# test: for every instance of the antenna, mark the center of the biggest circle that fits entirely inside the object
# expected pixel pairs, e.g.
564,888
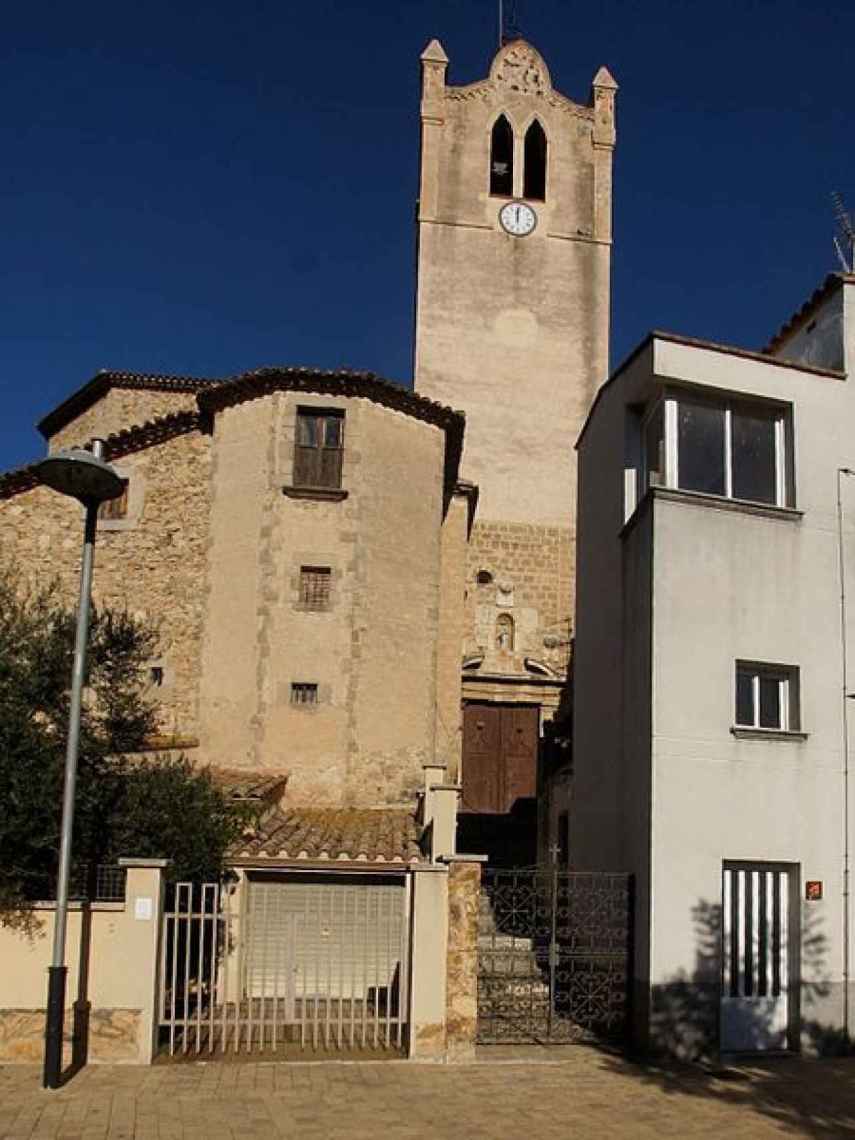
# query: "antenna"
845,238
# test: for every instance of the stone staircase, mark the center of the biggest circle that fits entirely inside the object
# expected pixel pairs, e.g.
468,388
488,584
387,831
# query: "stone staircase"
513,995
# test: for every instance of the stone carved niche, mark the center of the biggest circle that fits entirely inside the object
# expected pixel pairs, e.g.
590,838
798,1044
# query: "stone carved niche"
520,68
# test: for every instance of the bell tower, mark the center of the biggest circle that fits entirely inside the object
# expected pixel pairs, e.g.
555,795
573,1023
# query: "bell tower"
512,327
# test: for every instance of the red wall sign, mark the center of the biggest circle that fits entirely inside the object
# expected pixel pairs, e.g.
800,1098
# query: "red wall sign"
813,890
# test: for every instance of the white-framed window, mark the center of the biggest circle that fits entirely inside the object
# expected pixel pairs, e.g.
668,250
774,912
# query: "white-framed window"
767,696
733,448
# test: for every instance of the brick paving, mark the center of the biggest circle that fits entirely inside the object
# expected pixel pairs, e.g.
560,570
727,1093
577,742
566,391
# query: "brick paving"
577,1094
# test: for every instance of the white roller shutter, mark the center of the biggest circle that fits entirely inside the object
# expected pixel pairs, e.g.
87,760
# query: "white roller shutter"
308,938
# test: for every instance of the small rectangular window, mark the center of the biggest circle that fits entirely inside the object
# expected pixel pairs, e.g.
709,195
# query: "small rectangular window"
115,508
304,693
767,696
318,448
315,587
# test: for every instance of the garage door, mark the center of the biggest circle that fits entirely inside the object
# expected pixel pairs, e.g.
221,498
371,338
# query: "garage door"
327,936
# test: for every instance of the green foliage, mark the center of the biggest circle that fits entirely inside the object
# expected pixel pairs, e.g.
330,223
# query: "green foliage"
171,810
155,807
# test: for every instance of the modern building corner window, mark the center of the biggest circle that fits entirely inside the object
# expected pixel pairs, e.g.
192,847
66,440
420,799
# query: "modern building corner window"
767,697
534,163
318,448
502,158
735,449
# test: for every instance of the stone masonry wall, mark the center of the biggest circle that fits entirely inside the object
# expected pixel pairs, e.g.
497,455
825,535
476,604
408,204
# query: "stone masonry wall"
450,636
464,892
153,563
532,572
118,409
113,1035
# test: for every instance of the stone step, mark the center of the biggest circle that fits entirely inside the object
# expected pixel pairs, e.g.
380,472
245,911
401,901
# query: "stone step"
520,965
505,942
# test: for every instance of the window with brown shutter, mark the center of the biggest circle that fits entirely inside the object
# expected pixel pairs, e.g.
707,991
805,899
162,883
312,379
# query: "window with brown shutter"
115,508
318,448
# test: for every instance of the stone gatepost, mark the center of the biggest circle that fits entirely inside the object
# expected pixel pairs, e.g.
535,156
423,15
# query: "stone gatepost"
427,957
144,898
461,987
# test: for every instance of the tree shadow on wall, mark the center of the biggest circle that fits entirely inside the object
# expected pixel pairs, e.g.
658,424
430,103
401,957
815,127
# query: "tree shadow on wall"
815,1100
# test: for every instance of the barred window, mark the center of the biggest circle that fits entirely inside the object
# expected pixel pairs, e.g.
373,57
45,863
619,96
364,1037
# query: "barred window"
115,508
304,693
315,587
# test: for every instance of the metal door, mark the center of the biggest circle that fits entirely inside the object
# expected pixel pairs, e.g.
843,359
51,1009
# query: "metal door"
756,957
553,955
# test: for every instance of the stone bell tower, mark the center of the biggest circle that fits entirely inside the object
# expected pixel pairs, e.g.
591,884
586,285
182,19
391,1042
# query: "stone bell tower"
512,326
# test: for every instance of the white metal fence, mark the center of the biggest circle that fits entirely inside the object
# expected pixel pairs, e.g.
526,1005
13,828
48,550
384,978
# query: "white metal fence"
301,961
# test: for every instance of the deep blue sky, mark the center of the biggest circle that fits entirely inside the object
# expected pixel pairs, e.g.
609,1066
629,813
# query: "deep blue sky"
203,188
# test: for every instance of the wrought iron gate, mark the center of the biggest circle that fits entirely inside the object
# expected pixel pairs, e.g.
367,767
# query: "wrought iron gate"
553,955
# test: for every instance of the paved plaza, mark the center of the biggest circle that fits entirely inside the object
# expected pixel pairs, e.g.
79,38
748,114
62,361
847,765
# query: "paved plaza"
576,1094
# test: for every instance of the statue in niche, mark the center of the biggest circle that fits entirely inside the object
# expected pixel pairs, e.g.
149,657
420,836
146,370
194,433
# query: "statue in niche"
505,632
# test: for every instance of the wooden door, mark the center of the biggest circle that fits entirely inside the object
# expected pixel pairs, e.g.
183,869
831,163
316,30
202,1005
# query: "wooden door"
482,789
499,756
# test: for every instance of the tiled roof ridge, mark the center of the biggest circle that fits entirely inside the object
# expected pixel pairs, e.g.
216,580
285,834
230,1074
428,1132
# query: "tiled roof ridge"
107,378
248,783
115,446
356,835
342,381
831,282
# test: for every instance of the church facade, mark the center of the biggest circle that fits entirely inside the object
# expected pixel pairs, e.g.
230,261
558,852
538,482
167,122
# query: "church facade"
512,325
262,520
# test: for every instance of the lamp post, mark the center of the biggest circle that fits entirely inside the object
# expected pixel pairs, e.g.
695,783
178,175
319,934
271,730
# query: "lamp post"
85,476
841,568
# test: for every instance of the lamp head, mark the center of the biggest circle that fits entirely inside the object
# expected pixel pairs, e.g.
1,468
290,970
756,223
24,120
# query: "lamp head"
81,475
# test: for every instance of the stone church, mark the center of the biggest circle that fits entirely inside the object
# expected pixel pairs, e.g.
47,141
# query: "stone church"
352,580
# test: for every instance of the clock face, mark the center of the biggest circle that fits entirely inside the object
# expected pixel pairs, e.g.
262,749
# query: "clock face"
517,218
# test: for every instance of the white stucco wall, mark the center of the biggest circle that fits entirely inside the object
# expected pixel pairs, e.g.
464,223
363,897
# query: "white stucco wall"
728,584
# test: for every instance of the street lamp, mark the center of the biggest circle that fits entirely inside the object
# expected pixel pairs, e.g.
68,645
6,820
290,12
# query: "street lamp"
841,569
85,476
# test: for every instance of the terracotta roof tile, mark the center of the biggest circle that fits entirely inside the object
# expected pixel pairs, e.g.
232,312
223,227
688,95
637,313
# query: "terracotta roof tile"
115,446
247,784
108,378
338,381
832,282
373,835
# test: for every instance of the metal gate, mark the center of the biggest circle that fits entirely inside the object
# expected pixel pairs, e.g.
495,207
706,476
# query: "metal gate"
554,955
756,935
304,962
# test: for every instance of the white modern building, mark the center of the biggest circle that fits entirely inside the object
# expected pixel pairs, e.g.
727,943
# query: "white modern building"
709,741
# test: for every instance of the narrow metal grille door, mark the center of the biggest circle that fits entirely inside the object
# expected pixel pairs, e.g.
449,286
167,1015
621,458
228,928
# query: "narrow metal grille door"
755,957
